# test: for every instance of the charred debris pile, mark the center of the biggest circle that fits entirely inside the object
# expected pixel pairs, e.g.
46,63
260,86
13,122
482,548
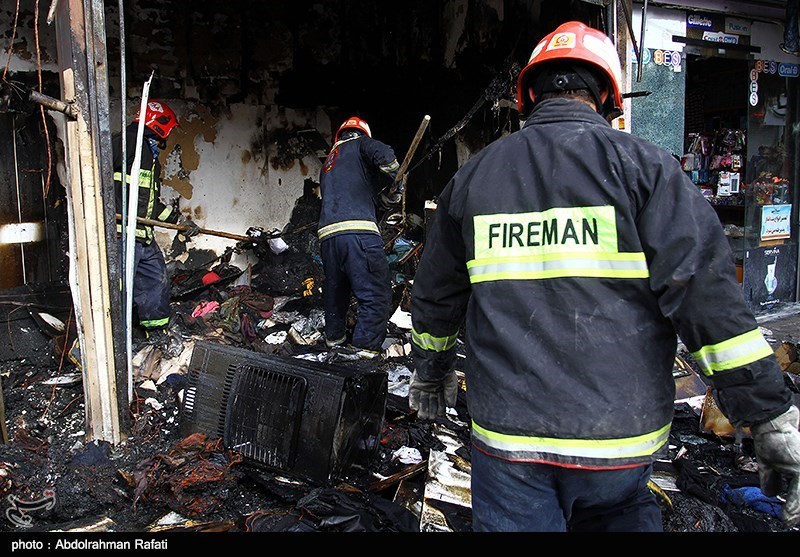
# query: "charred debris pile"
243,457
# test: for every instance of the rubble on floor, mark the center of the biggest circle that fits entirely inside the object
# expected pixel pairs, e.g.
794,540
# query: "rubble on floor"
163,479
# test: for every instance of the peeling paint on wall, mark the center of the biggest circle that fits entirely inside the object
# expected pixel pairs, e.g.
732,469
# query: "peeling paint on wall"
180,157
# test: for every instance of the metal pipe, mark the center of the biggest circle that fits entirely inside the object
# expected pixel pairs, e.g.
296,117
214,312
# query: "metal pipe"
641,42
611,19
19,193
50,103
123,111
123,184
51,13
629,23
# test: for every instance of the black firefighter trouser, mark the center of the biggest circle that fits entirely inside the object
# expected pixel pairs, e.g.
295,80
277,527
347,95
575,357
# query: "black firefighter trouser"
356,263
151,287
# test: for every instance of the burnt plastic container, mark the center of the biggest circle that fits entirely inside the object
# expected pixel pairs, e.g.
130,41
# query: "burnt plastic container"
305,419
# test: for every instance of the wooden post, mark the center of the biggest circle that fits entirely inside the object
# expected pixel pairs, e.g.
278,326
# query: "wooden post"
80,35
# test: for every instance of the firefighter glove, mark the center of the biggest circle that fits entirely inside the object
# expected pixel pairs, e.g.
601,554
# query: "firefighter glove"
777,448
431,398
190,228
390,200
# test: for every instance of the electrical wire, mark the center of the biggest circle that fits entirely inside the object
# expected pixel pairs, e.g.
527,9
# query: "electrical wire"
11,43
41,107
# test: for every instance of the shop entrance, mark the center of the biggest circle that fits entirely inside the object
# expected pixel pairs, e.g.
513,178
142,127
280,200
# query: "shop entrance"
715,126
737,151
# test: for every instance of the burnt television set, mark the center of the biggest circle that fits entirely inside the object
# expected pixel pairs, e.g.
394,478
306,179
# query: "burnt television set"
305,419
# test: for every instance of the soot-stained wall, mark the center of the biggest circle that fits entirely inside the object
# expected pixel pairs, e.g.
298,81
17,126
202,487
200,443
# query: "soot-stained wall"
247,77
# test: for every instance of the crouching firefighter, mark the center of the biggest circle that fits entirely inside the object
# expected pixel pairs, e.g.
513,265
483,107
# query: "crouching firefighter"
357,168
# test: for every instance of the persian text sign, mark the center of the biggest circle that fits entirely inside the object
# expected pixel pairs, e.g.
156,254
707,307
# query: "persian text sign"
775,222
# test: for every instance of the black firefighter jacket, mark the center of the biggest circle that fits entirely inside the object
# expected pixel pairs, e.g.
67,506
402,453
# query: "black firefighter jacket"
149,204
578,254
356,169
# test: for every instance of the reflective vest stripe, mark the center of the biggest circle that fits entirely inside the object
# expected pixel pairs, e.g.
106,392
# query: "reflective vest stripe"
391,167
567,264
355,225
145,178
145,181
165,214
427,341
629,447
734,352
140,233
155,323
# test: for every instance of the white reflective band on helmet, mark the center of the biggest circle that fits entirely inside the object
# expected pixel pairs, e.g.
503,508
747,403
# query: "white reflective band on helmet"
732,353
354,225
606,50
630,447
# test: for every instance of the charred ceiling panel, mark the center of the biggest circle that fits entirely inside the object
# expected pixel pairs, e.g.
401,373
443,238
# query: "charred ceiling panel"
248,77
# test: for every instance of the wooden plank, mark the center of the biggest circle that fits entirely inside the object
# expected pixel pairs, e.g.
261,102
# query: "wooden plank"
89,266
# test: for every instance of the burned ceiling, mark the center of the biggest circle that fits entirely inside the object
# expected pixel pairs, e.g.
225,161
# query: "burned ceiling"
391,63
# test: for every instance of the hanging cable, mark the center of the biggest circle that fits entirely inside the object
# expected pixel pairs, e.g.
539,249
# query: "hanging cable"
11,43
41,108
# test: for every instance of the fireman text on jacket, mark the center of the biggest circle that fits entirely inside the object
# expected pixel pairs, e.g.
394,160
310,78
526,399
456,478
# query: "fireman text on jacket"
559,242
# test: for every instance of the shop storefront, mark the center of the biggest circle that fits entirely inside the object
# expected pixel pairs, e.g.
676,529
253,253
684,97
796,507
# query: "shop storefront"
719,94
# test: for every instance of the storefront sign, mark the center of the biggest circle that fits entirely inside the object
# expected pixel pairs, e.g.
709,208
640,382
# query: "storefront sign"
701,21
737,26
671,58
775,222
645,53
788,70
720,37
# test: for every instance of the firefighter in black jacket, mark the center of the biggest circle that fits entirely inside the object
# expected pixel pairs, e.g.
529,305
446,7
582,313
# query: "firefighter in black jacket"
151,285
578,254
357,168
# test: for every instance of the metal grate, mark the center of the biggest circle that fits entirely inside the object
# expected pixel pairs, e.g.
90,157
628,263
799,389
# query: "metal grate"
205,394
264,415
308,420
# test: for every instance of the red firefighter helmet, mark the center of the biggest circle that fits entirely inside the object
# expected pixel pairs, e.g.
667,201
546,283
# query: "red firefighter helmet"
574,41
353,123
159,118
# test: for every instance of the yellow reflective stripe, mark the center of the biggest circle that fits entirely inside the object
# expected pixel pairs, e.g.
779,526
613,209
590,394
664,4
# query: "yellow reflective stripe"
427,341
361,225
628,447
155,323
557,230
140,233
732,353
165,213
577,264
391,167
342,141
145,178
